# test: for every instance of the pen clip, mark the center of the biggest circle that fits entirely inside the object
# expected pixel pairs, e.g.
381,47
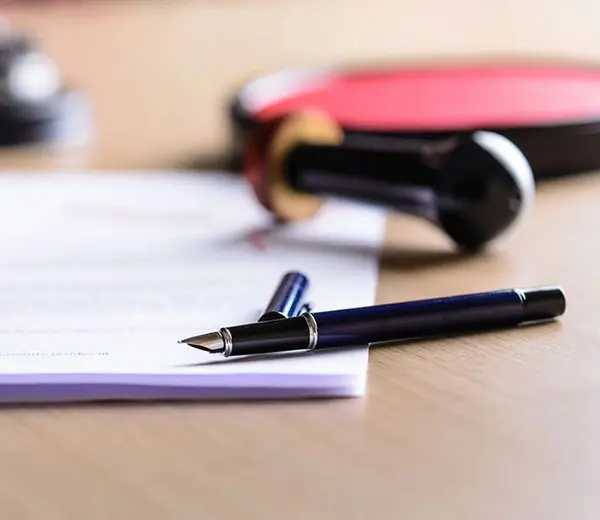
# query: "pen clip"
306,307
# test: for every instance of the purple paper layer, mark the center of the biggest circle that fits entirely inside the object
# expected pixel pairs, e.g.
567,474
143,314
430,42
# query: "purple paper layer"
36,388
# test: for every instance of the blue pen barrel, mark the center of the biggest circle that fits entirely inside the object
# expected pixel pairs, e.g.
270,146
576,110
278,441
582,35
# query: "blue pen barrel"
456,314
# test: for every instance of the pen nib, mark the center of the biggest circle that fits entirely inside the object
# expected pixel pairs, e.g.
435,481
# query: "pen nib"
211,342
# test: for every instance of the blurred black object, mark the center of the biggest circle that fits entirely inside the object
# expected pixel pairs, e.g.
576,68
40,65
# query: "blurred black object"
561,147
35,107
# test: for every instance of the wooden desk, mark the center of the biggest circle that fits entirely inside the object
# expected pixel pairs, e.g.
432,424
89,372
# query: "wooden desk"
498,426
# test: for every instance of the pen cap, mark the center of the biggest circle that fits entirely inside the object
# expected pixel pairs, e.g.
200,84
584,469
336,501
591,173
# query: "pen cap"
288,298
543,303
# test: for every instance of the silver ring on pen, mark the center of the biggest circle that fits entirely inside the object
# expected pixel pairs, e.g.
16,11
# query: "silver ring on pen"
521,295
227,340
313,331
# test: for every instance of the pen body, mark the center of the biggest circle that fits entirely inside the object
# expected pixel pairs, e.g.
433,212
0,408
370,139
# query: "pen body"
398,321
419,319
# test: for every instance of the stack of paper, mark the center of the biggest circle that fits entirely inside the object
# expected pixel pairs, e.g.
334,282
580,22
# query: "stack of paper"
102,273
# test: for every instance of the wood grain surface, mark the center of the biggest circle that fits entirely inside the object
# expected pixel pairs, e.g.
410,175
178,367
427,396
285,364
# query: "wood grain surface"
494,426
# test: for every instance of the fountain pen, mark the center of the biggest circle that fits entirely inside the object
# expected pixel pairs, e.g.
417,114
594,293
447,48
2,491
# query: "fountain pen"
387,322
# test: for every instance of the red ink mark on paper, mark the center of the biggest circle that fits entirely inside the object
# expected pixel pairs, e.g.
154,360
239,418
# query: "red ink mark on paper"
257,238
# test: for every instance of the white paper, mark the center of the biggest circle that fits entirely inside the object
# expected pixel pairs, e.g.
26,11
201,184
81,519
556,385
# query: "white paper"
101,273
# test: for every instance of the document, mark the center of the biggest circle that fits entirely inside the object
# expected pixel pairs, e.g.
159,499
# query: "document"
101,273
